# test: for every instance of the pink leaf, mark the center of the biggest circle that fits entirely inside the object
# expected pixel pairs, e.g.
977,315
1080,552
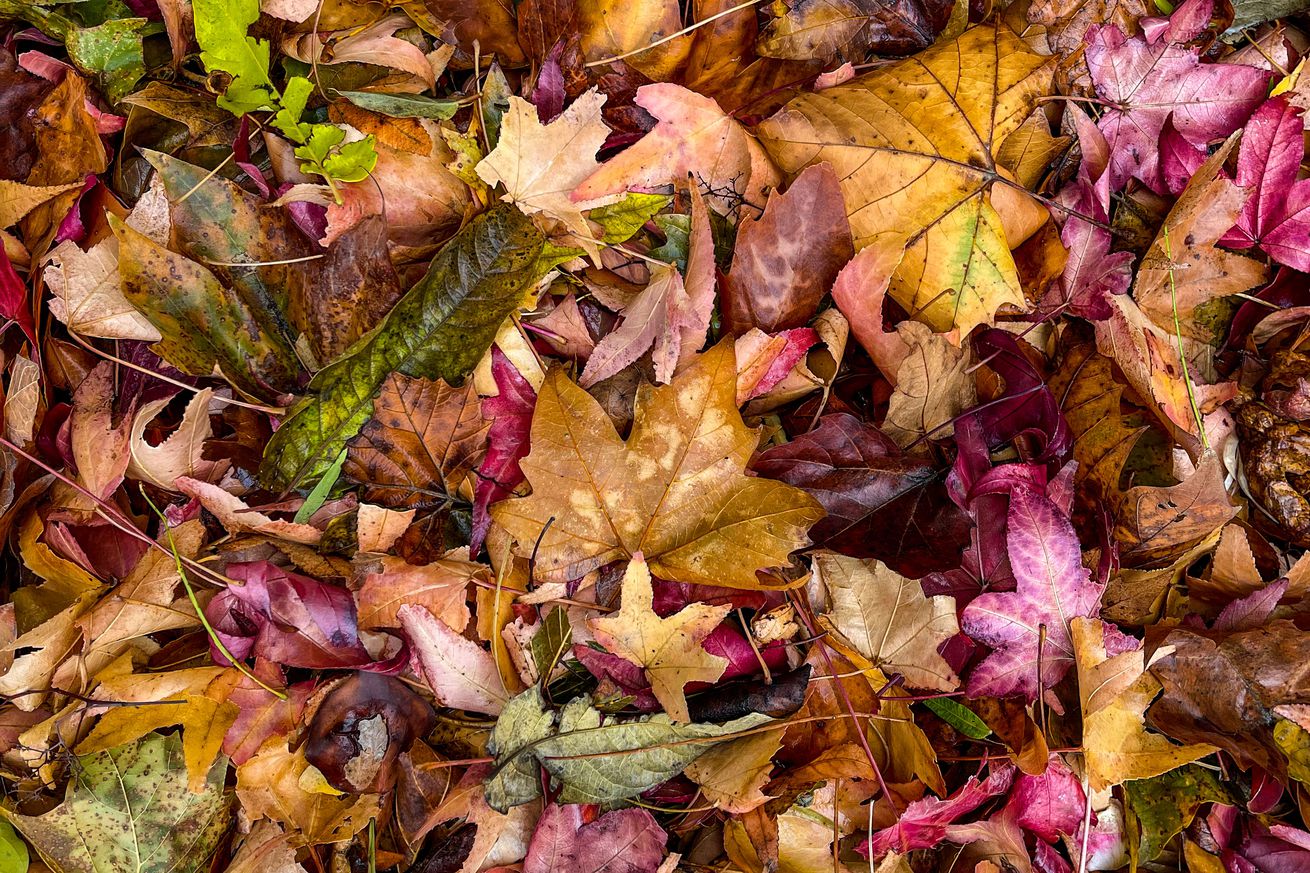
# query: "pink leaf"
622,841
1049,805
1144,83
461,673
1277,214
925,822
1052,587
510,413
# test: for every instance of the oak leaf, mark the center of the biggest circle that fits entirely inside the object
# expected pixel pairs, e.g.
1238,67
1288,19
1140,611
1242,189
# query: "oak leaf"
675,490
889,620
931,194
668,649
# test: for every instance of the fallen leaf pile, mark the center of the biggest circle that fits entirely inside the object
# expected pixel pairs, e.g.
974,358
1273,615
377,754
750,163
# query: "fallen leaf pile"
638,436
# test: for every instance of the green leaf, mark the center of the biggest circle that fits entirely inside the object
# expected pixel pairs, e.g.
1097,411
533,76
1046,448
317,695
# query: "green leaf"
495,103
224,46
13,851
113,51
439,330
226,228
318,495
403,105
959,716
322,139
677,240
129,808
524,721
620,221
550,643
1163,806
294,98
602,760
596,759
353,161
203,324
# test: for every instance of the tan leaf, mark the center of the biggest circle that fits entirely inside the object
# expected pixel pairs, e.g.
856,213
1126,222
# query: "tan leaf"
269,785
237,516
264,850
17,199
1159,523
732,774
669,649
1115,693
100,446
87,296
377,528
22,399
180,452
540,164
675,490
933,386
423,439
913,144
889,620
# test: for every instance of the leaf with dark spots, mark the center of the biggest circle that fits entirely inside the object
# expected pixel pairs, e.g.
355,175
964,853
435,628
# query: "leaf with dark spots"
784,263
423,439
354,288
1228,689
880,502
1159,523
223,227
204,325
360,729
438,330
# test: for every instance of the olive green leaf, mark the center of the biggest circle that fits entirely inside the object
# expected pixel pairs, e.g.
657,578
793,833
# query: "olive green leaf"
1163,806
595,758
113,51
129,808
402,105
620,221
552,641
959,716
13,851
438,330
203,324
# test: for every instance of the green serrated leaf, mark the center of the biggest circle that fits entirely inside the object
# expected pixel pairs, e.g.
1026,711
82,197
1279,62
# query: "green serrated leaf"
620,221
439,330
403,105
13,851
353,161
129,808
322,139
203,324
1163,806
114,52
959,716
221,33
295,96
552,641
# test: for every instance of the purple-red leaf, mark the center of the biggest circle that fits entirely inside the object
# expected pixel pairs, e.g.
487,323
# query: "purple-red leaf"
924,822
621,841
1277,213
510,413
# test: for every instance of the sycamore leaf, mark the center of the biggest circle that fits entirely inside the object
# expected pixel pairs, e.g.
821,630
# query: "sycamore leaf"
693,137
540,164
439,329
461,674
889,620
675,491
423,439
1028,628
928,193
1115,691
620,841
668,649
130,809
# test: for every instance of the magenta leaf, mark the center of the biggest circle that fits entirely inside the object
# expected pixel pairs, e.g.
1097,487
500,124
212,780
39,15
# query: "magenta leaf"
1277,214
621,841
1050,805
925,822
1052,587
510,413
1144,83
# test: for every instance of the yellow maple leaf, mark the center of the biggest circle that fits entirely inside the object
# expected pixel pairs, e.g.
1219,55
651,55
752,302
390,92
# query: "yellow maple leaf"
669,649
914,144
675,491
1115,692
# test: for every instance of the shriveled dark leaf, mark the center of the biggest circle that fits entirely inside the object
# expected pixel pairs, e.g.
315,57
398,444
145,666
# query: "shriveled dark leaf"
880,502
